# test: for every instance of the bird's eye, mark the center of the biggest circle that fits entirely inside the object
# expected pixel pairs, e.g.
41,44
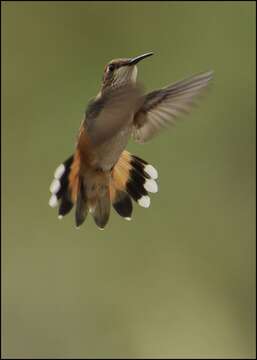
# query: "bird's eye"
111,67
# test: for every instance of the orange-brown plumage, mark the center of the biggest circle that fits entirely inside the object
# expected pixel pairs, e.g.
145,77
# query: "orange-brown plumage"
74,176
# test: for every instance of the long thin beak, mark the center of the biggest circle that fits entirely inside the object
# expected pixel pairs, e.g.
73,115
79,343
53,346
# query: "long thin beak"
135,60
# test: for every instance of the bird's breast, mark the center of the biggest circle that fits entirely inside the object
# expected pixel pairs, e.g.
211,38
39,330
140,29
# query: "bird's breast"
102,156
108,153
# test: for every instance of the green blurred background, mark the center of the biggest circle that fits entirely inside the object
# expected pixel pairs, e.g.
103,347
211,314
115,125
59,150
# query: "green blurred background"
179,279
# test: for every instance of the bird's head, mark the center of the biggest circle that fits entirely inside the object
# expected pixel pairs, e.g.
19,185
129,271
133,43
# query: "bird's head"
120,72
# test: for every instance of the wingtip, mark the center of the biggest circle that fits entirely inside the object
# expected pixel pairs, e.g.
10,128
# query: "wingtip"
210,73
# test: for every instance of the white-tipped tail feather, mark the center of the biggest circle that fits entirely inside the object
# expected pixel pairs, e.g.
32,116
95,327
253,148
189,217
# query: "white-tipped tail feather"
151,186
151,171
55,186
53,201
59,171
144,201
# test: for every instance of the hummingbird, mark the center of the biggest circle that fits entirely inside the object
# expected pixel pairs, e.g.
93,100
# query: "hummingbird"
101,173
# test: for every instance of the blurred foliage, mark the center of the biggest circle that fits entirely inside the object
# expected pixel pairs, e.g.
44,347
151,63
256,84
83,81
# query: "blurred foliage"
179,279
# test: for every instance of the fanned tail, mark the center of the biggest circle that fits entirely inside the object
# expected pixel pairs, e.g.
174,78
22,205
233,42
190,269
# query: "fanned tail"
132,178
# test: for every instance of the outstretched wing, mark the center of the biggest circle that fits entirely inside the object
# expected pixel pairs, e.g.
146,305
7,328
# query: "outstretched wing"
161,107
112,111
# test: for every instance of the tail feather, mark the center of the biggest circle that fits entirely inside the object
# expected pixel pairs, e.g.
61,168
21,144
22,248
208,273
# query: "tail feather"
136,178
136,189
101,211
60,190
123,204
65,205
81,205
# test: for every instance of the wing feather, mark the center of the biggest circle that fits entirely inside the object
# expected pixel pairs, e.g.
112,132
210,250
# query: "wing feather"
162,107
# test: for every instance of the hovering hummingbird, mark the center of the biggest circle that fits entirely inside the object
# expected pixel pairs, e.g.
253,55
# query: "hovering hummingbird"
101,172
